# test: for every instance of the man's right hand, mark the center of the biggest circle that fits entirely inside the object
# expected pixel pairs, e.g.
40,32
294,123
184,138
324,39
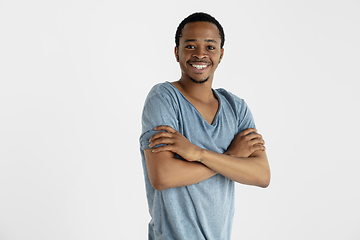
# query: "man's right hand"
246,143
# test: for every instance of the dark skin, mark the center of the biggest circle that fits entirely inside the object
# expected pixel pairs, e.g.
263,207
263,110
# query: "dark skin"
199,48
245,161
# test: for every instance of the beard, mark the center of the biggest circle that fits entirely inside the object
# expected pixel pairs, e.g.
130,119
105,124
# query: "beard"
201,81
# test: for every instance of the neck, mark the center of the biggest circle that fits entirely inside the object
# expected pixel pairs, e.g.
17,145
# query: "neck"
199,91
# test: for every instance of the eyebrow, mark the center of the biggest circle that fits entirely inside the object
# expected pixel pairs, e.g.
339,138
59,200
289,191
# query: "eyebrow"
210,40
206,40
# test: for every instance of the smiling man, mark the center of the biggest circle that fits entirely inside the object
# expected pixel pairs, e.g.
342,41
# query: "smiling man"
197,141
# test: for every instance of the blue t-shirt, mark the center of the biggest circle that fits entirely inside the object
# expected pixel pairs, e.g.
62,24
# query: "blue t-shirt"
204,210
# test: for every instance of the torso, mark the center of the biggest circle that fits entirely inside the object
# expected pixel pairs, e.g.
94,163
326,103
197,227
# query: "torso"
193,201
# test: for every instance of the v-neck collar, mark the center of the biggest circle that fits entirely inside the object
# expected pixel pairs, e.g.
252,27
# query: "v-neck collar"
192,105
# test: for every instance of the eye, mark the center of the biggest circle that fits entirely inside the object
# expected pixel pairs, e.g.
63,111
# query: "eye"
190,46
210,48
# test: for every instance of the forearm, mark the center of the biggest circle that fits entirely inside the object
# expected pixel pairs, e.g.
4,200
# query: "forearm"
253,170
165,171
182,173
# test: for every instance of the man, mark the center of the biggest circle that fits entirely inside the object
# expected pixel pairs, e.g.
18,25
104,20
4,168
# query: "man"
196,141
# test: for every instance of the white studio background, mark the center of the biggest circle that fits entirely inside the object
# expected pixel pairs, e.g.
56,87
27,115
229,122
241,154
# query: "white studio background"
73,79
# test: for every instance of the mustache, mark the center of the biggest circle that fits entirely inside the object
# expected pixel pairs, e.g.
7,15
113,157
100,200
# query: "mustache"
201,61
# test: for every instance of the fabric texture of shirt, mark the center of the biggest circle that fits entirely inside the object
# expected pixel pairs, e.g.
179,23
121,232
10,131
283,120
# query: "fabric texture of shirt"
203,210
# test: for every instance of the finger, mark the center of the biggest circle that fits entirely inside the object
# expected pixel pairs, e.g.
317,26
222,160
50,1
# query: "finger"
248,131
164,148
258,147
161,141
160,134
253,136
257,141
165,128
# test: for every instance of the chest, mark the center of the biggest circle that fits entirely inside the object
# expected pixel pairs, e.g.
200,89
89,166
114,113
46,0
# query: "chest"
210,128
207,111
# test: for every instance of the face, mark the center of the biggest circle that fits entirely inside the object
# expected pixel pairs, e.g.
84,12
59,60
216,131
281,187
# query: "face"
199,51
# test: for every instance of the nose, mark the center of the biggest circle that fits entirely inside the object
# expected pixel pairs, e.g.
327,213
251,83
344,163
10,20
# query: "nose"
199,53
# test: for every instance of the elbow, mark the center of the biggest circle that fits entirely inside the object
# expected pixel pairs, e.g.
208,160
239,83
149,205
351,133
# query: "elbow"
264,182
157,178
158,185
158,182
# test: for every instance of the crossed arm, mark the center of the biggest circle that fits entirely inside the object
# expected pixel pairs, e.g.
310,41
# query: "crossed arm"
245,161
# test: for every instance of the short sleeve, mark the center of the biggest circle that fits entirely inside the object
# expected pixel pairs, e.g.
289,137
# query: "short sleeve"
159,109
246,119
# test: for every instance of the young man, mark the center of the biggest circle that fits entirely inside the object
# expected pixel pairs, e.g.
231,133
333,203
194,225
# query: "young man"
196,141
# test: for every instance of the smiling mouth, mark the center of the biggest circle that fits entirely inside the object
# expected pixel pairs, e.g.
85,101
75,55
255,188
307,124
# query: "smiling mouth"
199,66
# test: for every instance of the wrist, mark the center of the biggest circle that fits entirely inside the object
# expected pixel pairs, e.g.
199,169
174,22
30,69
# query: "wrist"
229,154
201,155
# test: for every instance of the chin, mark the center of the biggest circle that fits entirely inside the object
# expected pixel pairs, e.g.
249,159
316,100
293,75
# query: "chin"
199,81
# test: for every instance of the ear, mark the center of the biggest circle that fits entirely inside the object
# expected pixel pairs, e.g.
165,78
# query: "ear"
221,55
176,51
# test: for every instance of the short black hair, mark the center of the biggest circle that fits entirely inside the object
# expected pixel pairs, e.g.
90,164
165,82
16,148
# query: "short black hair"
199,17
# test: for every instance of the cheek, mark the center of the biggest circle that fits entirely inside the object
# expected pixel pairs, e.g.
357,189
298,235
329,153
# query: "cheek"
183,65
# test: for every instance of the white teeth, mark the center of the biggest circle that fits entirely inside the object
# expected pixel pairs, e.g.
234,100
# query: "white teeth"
199,66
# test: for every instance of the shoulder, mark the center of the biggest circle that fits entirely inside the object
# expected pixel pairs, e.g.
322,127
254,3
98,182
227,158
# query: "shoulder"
160,107
236,102
162,89
162,95
238,106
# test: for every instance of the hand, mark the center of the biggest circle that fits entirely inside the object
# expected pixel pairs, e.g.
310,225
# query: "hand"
176,143
246,143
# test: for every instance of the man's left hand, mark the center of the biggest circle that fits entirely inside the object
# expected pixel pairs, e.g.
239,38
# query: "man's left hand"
176,143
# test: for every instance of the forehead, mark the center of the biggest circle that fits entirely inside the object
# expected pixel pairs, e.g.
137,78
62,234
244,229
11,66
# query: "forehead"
200,30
